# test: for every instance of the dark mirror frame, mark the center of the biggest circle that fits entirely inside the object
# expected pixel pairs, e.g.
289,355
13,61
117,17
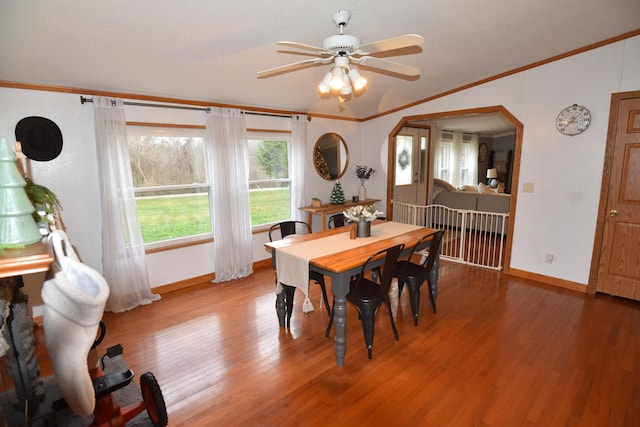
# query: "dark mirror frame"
330,156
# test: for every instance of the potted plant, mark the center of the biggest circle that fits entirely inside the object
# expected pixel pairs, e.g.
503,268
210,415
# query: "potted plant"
45,202
363,173
362,216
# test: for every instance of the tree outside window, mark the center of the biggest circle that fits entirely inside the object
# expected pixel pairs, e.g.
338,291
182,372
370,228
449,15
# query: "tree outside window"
171,185
269,182
173,190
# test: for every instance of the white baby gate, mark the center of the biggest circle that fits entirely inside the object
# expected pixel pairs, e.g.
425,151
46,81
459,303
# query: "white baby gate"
472,237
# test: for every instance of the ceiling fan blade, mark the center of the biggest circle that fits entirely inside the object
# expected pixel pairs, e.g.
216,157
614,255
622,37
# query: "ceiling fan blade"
391,44
291,67
318,50
387,65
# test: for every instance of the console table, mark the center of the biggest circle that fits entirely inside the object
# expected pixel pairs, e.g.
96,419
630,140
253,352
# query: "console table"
29,259
328,209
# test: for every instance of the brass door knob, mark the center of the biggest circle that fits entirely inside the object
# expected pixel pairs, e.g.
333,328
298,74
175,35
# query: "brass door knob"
613,212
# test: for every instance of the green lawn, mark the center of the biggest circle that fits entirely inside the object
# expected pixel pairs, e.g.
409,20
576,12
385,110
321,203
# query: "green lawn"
170,217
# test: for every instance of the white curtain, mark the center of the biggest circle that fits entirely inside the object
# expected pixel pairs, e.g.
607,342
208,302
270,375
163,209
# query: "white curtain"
123,257
228,163
456,157
297,155
470,154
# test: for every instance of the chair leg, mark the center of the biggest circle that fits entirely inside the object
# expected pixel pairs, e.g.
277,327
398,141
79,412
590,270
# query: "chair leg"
393,322
432,297
289,294
400,287
414,294
330,320
432,281
281,308
367,317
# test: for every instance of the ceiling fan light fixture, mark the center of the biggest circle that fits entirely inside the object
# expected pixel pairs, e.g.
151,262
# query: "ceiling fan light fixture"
337,78
343,49
346,89
357,80
324,87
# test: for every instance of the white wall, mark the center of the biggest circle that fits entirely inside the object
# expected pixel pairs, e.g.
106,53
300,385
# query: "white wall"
318,187
559,217
72,175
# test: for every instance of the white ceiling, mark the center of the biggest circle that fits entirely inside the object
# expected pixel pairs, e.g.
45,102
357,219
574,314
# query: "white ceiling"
211,50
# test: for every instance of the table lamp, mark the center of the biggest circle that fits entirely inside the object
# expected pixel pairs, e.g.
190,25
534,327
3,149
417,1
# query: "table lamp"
492,175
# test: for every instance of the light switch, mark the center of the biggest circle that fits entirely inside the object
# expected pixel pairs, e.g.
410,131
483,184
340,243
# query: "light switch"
527,187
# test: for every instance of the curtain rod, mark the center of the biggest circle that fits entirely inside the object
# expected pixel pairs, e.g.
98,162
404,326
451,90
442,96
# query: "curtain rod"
145,104
184,107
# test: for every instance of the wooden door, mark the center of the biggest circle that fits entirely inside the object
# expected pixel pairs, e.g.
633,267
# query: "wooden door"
411,169
619,266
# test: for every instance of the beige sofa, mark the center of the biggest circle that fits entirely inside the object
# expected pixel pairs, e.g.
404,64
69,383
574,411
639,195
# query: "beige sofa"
471,198
446,195
483,202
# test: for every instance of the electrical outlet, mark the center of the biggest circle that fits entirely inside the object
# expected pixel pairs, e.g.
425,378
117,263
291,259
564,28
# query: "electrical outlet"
527,187
548,258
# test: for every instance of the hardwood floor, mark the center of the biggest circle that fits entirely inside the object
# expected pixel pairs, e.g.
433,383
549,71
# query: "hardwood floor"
501,351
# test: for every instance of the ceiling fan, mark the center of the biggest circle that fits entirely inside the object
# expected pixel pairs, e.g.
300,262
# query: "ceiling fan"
342,50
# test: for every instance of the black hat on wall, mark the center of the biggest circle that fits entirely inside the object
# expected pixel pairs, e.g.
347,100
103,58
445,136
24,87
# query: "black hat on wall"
41,139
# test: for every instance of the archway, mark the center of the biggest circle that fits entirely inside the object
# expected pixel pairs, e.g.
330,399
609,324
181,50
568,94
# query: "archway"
425,120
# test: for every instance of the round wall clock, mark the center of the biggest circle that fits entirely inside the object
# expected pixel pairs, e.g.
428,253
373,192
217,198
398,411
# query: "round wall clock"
573,120
482,152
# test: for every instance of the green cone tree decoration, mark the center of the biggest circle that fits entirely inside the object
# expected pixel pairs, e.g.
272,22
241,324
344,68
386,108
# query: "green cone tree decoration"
17,226
337,195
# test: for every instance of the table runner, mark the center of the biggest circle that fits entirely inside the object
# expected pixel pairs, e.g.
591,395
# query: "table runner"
292,262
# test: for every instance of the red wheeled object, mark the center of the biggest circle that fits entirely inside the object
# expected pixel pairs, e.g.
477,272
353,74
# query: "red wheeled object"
107,412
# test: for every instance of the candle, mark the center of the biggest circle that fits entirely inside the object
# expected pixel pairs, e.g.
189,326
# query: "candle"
19,157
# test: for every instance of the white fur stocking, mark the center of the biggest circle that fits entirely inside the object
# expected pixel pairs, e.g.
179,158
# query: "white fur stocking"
74,302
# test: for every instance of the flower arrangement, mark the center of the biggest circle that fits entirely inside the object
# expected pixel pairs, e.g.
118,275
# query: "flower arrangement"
362,213
364,172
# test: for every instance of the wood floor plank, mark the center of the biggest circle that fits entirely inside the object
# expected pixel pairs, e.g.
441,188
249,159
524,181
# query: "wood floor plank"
501,351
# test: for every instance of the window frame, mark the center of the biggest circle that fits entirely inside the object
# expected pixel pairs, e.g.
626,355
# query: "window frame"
271,135
177,130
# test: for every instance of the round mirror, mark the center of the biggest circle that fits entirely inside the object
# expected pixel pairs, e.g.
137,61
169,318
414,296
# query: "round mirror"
330,156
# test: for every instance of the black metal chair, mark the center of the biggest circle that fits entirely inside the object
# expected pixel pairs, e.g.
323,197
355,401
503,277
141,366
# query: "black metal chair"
414,275
368,295
289,228
336,220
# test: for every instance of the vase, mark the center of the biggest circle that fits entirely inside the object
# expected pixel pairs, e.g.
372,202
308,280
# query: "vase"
364,228
362,193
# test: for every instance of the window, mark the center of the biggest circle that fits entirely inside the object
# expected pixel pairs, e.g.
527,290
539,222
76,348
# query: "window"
171,183
468,161
269,177
173,189
456,158
404,160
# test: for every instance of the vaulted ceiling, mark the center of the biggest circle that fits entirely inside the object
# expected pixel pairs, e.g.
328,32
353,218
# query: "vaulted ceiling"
210,51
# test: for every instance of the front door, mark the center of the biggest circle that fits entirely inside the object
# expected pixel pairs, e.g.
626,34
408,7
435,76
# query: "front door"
619,266
411,171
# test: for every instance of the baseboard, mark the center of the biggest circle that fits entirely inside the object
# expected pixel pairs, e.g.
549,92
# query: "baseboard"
262,264
183,284
164,289
548,280
198,280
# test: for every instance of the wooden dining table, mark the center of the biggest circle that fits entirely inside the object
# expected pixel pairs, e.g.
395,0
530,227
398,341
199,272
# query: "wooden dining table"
335,255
